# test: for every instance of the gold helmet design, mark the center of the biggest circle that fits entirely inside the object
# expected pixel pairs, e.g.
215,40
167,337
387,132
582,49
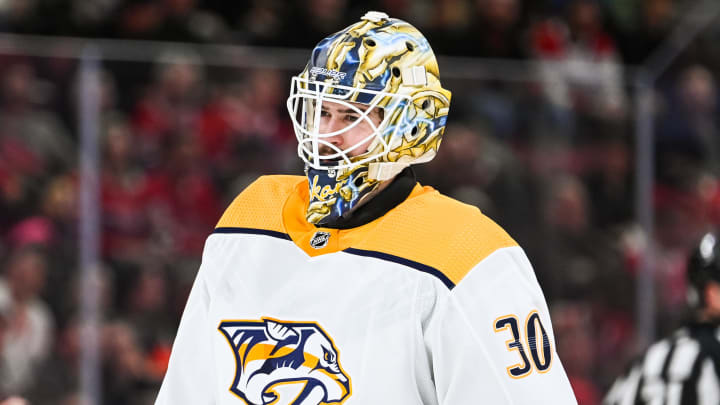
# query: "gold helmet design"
381,63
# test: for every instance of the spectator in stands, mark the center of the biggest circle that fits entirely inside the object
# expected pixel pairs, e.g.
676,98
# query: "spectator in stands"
61,371
147,303
171,20
124,195
314,19
609,179
263,23
28,328
26,121
641,26
496,30
170,104
33,142
576,340
20,16
127,379
579,64
587,258
688,130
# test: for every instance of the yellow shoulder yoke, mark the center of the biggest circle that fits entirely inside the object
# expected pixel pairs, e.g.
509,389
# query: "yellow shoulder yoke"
260,205
439,232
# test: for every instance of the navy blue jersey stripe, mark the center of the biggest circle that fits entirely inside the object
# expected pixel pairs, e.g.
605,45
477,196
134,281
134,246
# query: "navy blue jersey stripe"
399,260
254,231
368,253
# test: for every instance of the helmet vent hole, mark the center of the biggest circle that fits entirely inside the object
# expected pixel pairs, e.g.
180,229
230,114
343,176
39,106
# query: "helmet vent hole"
425,104
409,46
414,131
370,43
396,72
358,181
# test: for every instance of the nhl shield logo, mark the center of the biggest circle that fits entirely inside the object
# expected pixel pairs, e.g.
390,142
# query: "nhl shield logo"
320,239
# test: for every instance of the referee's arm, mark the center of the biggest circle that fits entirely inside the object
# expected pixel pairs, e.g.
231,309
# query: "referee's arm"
678,371
625,388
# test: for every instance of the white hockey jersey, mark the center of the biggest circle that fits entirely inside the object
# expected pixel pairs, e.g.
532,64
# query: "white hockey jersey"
433,303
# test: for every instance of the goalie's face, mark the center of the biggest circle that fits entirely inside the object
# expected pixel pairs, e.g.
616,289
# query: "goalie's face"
352,124
341,127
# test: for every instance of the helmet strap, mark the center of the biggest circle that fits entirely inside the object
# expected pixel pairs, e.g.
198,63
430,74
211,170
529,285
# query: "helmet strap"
382,171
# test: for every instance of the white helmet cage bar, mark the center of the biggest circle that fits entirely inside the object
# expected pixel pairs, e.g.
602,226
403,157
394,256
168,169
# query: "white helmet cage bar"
305,105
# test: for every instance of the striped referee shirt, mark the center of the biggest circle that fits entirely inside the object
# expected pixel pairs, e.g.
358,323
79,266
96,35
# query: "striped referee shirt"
680,370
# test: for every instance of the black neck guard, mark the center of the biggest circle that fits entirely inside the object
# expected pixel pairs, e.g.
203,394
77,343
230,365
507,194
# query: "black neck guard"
395,193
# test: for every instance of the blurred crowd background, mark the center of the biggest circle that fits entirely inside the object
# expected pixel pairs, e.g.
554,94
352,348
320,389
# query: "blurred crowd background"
550,157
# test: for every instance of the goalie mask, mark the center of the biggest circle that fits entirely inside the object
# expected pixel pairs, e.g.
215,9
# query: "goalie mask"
368,104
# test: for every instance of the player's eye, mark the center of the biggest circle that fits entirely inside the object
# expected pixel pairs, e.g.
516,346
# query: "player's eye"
351,117
324,113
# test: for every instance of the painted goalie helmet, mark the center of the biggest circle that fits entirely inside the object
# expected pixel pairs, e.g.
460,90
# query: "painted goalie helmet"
380,75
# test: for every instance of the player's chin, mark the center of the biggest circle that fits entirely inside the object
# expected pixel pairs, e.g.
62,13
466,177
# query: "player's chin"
330,160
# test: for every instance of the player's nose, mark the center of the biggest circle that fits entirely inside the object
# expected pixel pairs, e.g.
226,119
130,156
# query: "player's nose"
333,127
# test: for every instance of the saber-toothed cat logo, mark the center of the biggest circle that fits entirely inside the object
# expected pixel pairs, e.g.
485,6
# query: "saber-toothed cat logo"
282,362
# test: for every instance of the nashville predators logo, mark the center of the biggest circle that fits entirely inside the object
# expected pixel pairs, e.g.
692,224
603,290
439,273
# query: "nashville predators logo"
279,362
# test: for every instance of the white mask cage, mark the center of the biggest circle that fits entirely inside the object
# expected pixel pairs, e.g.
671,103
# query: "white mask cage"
318,149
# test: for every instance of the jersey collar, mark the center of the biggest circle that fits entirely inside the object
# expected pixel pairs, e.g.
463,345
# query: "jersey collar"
316,241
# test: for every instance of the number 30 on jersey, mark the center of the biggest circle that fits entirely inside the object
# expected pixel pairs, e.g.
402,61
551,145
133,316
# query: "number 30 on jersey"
534,338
